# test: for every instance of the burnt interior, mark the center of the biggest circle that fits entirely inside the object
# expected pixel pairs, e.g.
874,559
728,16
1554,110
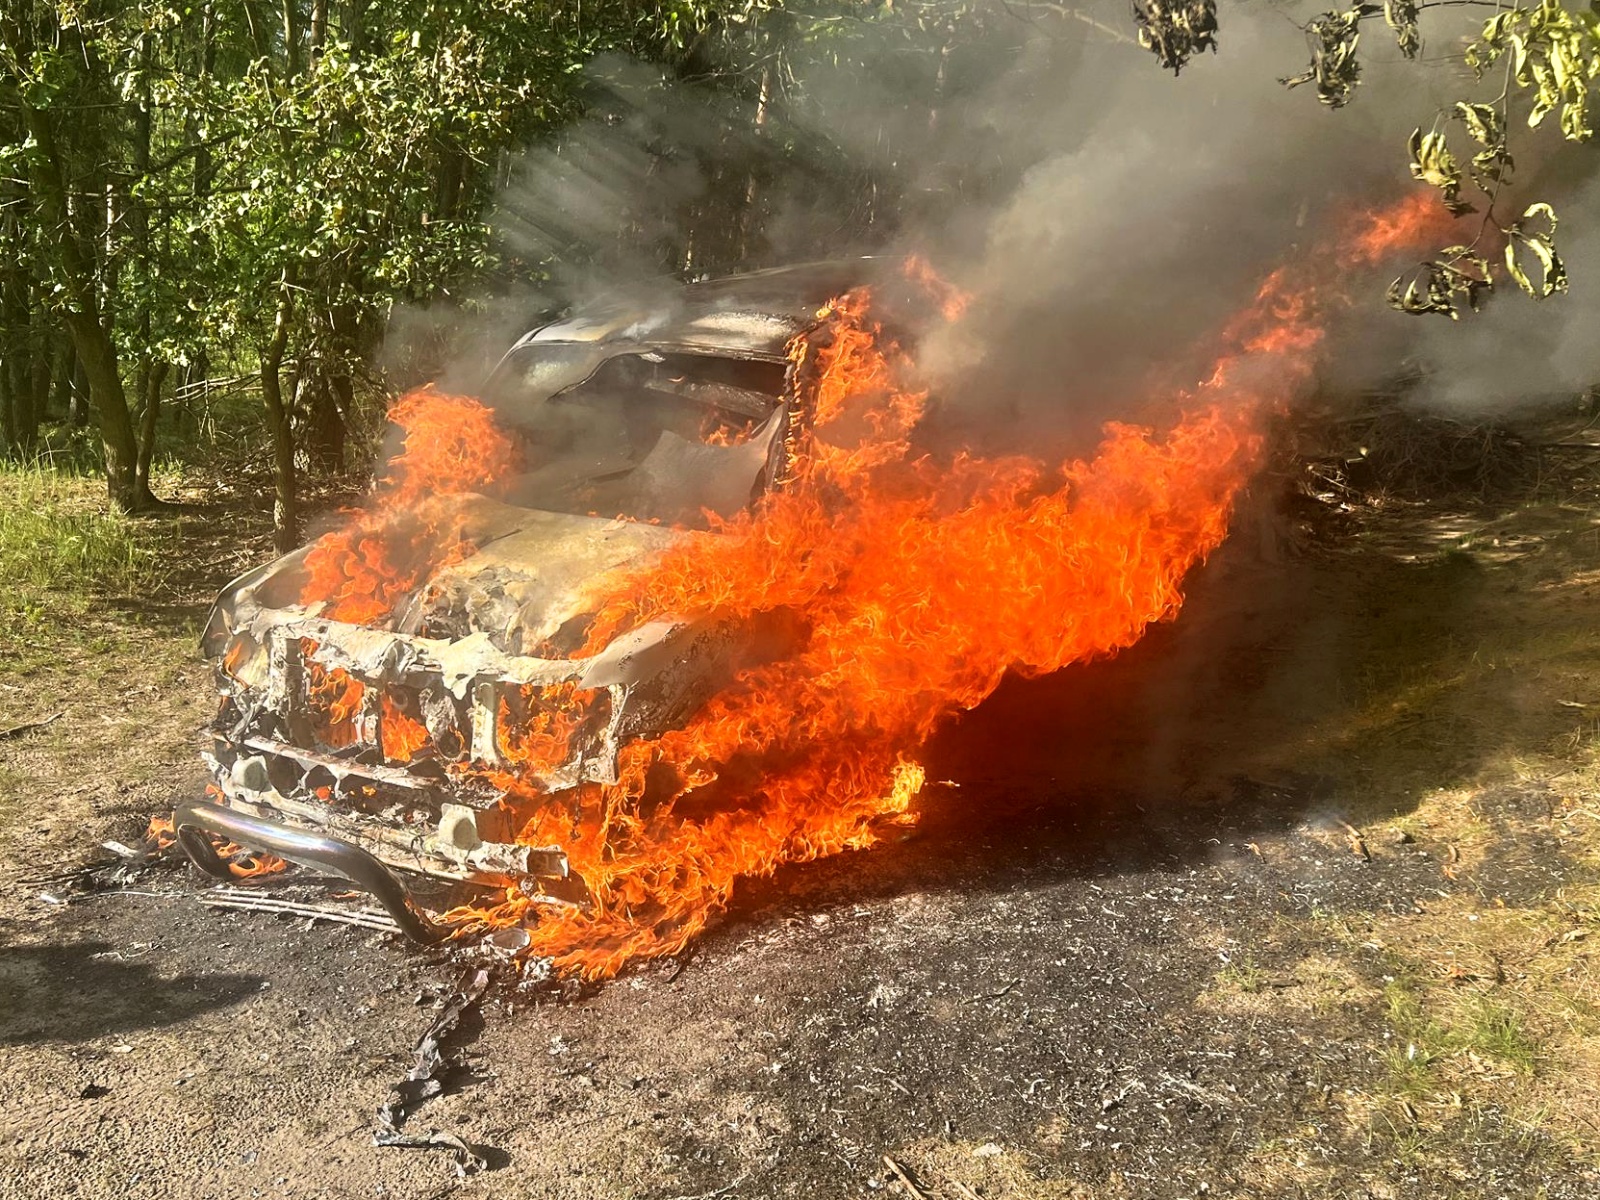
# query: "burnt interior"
653,436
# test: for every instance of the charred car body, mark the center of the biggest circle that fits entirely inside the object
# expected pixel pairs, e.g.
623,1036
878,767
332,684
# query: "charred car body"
664,412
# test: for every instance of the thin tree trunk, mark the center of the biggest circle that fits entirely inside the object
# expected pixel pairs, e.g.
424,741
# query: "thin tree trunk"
8,410
78,406
291,38
285,513
149,373
39,385
33,391
155,376
13,355
193,384
355,27
66,365
13,303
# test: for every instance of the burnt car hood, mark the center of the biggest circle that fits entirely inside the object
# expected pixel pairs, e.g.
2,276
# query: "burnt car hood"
532,574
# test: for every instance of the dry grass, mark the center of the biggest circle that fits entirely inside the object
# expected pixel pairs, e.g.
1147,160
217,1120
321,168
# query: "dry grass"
1481,1004
99,619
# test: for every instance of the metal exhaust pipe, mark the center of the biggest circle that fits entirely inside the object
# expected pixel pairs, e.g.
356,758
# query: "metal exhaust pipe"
193,819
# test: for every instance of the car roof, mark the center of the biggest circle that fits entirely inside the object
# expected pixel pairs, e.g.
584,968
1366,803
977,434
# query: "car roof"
751,315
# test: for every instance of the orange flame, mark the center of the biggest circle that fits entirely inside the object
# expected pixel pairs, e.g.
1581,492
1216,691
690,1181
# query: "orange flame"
1402,227
550,716
952,301
451,447
335,697
400,736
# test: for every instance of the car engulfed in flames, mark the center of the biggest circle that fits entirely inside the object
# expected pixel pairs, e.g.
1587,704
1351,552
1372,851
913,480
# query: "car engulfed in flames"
386,688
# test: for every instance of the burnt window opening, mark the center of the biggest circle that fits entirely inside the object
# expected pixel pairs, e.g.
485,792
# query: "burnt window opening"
654,436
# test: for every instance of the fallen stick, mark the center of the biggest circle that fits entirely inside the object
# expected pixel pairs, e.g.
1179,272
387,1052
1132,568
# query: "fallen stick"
721,1191
363,918
15,730
904,1179
1358,844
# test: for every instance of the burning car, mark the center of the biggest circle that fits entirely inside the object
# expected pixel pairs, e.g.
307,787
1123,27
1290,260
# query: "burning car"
364,731
683,602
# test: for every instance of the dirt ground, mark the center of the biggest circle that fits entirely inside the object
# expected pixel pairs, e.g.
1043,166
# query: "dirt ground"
1296,898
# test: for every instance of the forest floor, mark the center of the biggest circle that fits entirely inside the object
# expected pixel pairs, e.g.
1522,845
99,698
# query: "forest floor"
1298,897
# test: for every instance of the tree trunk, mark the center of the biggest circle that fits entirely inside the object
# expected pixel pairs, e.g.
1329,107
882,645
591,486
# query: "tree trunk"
285,514
192,386
154,376
325,433
319,27
13,303
39,385
78,406
8,411
149,373
291,38
355,27
98,357
97,354
755,168
66,366
13,355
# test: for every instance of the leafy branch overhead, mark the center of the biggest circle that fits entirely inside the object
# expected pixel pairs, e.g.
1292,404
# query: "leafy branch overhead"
1176,30
1334,68
1550,55
1334,36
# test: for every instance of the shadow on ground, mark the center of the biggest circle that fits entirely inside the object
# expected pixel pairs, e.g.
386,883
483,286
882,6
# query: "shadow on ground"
74,991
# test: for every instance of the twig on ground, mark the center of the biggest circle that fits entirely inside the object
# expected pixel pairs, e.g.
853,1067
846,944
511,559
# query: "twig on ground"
904,1179
1358,844
255,902
17,730
721,1191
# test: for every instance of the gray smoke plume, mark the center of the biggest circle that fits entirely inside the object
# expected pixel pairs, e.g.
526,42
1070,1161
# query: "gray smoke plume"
1103,278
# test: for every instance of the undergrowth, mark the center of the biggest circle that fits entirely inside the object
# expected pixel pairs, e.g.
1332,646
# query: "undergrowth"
62,547
50,539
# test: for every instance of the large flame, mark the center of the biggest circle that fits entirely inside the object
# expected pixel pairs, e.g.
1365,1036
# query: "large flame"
918,584
384,552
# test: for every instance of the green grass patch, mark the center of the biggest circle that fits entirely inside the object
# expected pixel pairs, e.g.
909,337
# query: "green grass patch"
1434,1027
58,534
63,552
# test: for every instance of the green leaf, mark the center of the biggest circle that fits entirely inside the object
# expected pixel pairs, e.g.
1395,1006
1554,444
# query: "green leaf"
1483,123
